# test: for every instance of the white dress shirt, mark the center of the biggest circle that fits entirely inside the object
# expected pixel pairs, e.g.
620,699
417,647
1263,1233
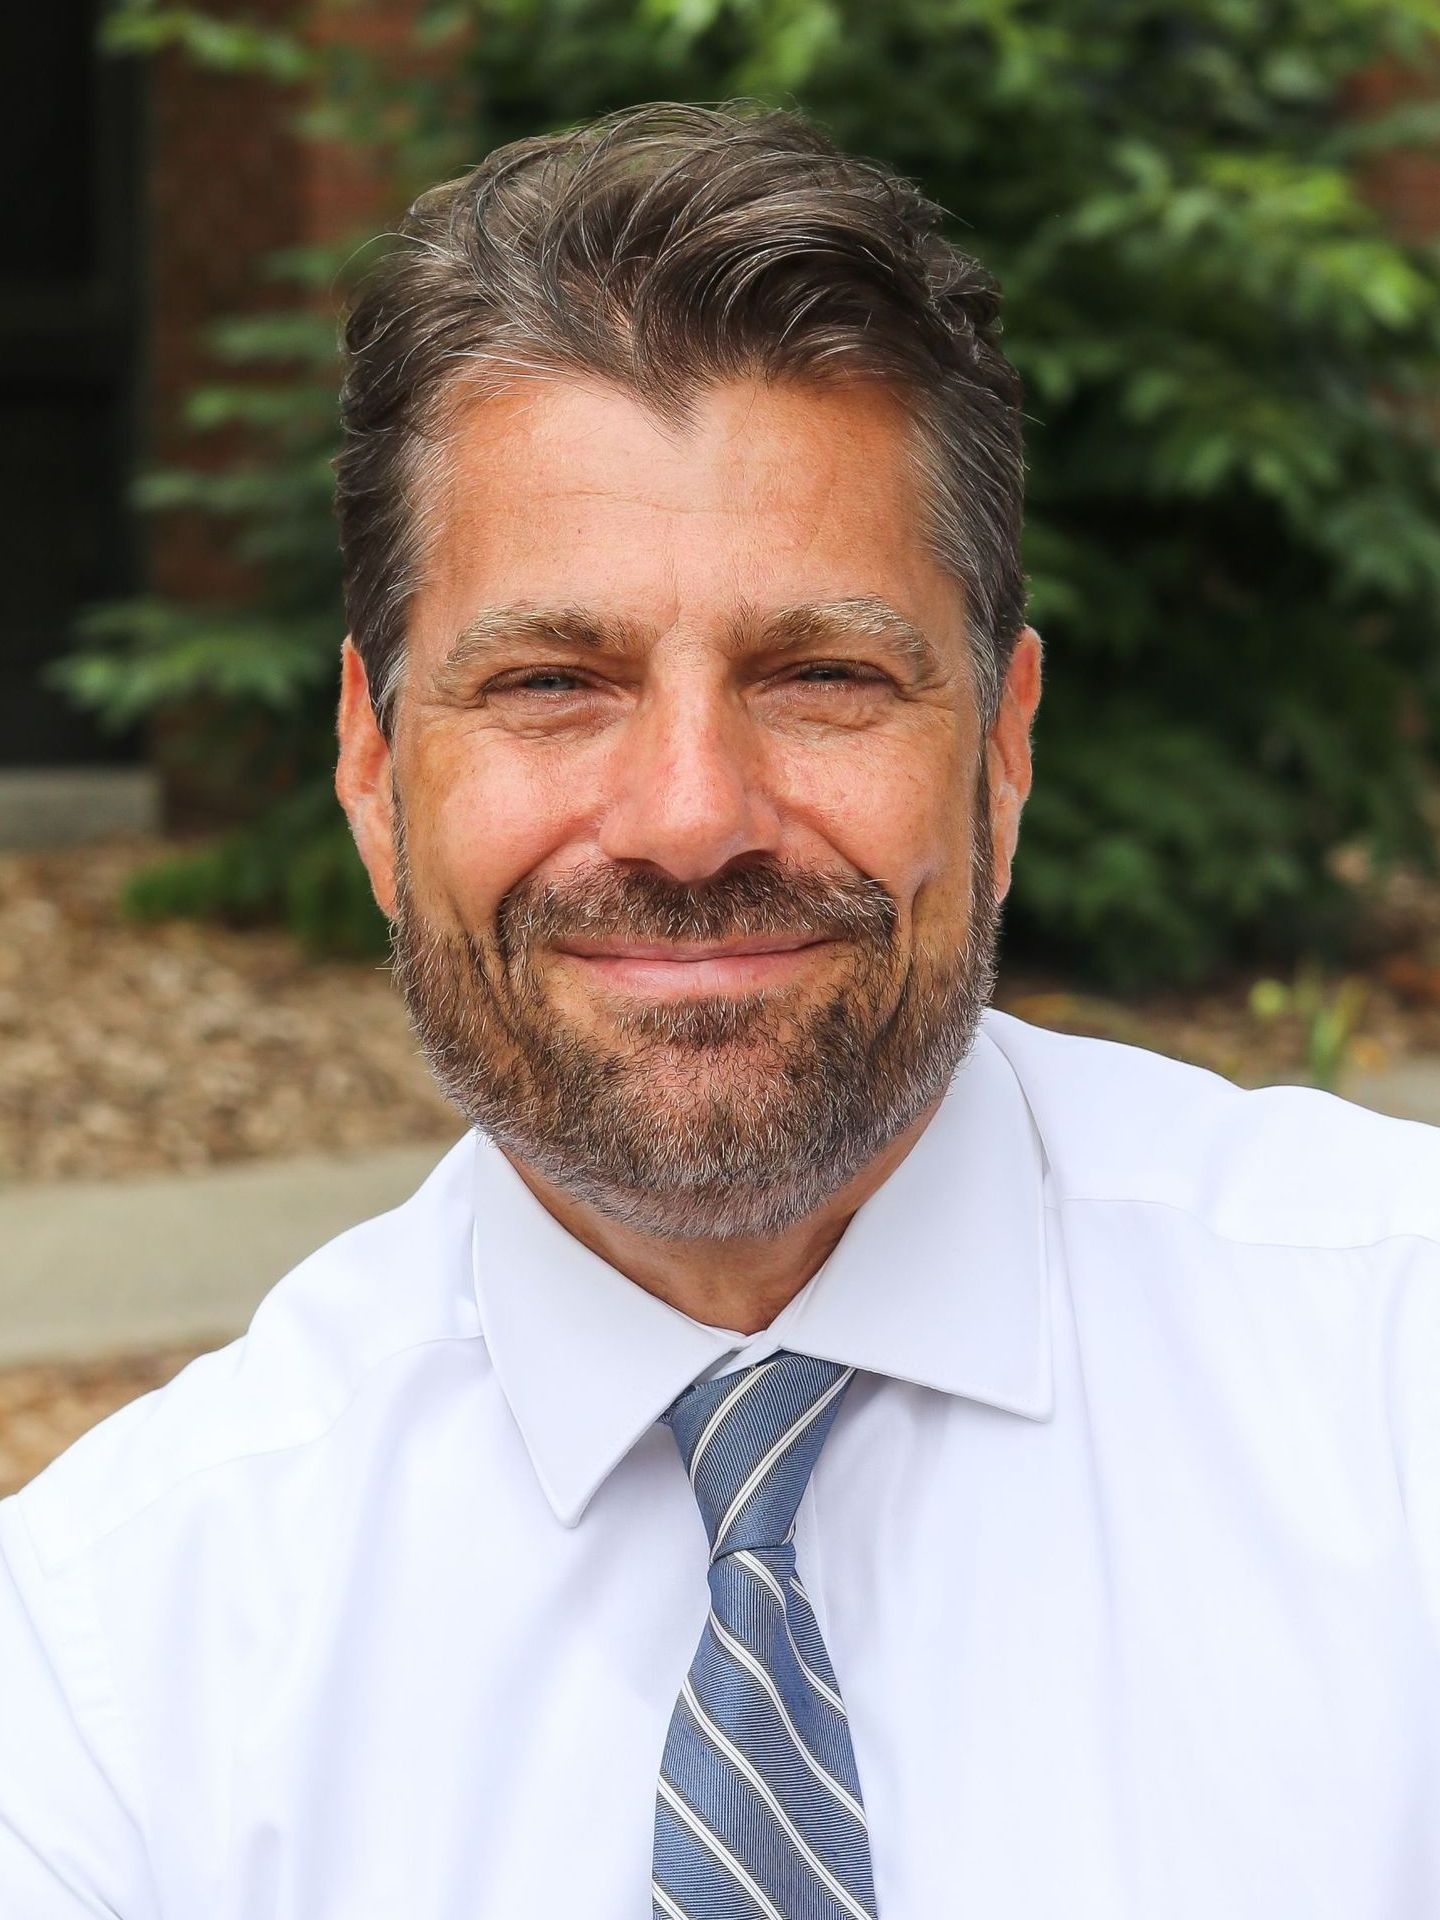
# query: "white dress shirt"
1125,1544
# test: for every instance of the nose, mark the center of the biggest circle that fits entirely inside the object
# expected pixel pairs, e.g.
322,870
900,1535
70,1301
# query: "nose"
690,793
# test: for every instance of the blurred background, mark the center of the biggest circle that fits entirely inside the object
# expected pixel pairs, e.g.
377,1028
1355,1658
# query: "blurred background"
1218,232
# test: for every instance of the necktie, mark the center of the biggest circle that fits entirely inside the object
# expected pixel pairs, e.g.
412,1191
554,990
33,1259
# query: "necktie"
758,1810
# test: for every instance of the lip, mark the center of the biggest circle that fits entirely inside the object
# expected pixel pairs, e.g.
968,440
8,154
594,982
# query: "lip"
682,952
654,971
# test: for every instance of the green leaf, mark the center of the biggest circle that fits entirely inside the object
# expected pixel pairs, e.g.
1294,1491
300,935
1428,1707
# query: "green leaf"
226,46
1232,378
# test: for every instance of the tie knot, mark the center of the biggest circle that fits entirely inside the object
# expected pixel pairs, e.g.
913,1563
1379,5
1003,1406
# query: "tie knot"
750,1440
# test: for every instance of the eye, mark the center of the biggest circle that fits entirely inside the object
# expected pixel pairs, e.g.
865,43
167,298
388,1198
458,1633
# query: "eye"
542,680
838,673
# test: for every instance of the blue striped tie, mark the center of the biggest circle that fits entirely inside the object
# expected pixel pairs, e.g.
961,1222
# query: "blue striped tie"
758,1810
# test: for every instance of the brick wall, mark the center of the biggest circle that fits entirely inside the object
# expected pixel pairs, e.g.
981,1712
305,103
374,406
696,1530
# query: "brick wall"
229,183
224,190
1405,184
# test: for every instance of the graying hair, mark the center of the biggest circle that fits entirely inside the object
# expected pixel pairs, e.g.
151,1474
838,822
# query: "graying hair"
666,249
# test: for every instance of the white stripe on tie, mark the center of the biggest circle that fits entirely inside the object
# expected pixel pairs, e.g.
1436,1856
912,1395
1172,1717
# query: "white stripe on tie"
761,1572
738,1651
715,1846
725,1746
709,1430
670,1908
767,1579
762,1467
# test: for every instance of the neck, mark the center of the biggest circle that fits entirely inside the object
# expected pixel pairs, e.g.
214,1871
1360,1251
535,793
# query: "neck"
737,1283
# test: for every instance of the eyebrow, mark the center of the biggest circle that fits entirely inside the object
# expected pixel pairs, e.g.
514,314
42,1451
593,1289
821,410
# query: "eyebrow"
495,629
789,629
867,617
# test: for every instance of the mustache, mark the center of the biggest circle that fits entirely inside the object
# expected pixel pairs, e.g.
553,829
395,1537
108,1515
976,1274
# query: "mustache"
769,898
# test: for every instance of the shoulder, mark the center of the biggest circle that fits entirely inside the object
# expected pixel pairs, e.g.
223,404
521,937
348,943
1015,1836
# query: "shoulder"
1284,1166
381,1289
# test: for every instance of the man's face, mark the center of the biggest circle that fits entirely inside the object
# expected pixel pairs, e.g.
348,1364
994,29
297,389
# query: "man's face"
686,830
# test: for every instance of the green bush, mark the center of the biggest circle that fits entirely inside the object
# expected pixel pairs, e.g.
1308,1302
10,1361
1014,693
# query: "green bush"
1231,368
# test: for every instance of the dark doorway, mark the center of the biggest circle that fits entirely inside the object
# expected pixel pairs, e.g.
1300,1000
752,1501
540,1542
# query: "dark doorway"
68,154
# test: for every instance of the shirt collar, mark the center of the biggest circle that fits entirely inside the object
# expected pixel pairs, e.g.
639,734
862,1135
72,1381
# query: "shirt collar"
938,1279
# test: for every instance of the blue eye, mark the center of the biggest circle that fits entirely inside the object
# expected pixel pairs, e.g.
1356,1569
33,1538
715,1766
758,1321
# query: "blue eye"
535,681
841,670
531,679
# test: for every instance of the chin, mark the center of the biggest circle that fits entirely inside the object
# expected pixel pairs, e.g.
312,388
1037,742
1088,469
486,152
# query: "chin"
689,1026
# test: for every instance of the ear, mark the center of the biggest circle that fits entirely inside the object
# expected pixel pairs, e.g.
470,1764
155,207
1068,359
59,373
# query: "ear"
363,779
1008,750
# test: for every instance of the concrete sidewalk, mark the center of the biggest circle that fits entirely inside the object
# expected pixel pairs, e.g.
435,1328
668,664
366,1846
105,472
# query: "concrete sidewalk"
95,1268
92,1268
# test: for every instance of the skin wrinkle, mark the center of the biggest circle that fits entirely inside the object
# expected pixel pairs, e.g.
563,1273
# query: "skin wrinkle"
711,1144
495,631
562,1112
493,376
666,250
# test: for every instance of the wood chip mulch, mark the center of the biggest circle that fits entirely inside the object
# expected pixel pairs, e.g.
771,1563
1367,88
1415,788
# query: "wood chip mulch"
128,1049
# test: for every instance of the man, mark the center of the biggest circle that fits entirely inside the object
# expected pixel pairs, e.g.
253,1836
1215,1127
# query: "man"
816,1446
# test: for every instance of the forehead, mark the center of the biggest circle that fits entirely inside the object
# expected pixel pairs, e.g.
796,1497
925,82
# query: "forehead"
559,491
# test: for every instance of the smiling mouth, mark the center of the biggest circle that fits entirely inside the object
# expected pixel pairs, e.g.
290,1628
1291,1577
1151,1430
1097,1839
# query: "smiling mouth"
662,969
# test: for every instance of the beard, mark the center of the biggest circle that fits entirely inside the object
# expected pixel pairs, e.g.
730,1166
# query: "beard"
715,1117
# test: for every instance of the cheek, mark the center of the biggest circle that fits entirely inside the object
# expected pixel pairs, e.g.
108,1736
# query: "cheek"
894,809
482,816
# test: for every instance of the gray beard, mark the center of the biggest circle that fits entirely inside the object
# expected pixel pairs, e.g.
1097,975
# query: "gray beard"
663,1133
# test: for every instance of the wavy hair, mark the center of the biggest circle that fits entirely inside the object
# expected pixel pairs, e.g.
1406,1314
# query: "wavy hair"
665,249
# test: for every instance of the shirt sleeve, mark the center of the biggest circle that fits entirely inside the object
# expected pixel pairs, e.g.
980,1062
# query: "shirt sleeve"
1414,1344
68,1845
